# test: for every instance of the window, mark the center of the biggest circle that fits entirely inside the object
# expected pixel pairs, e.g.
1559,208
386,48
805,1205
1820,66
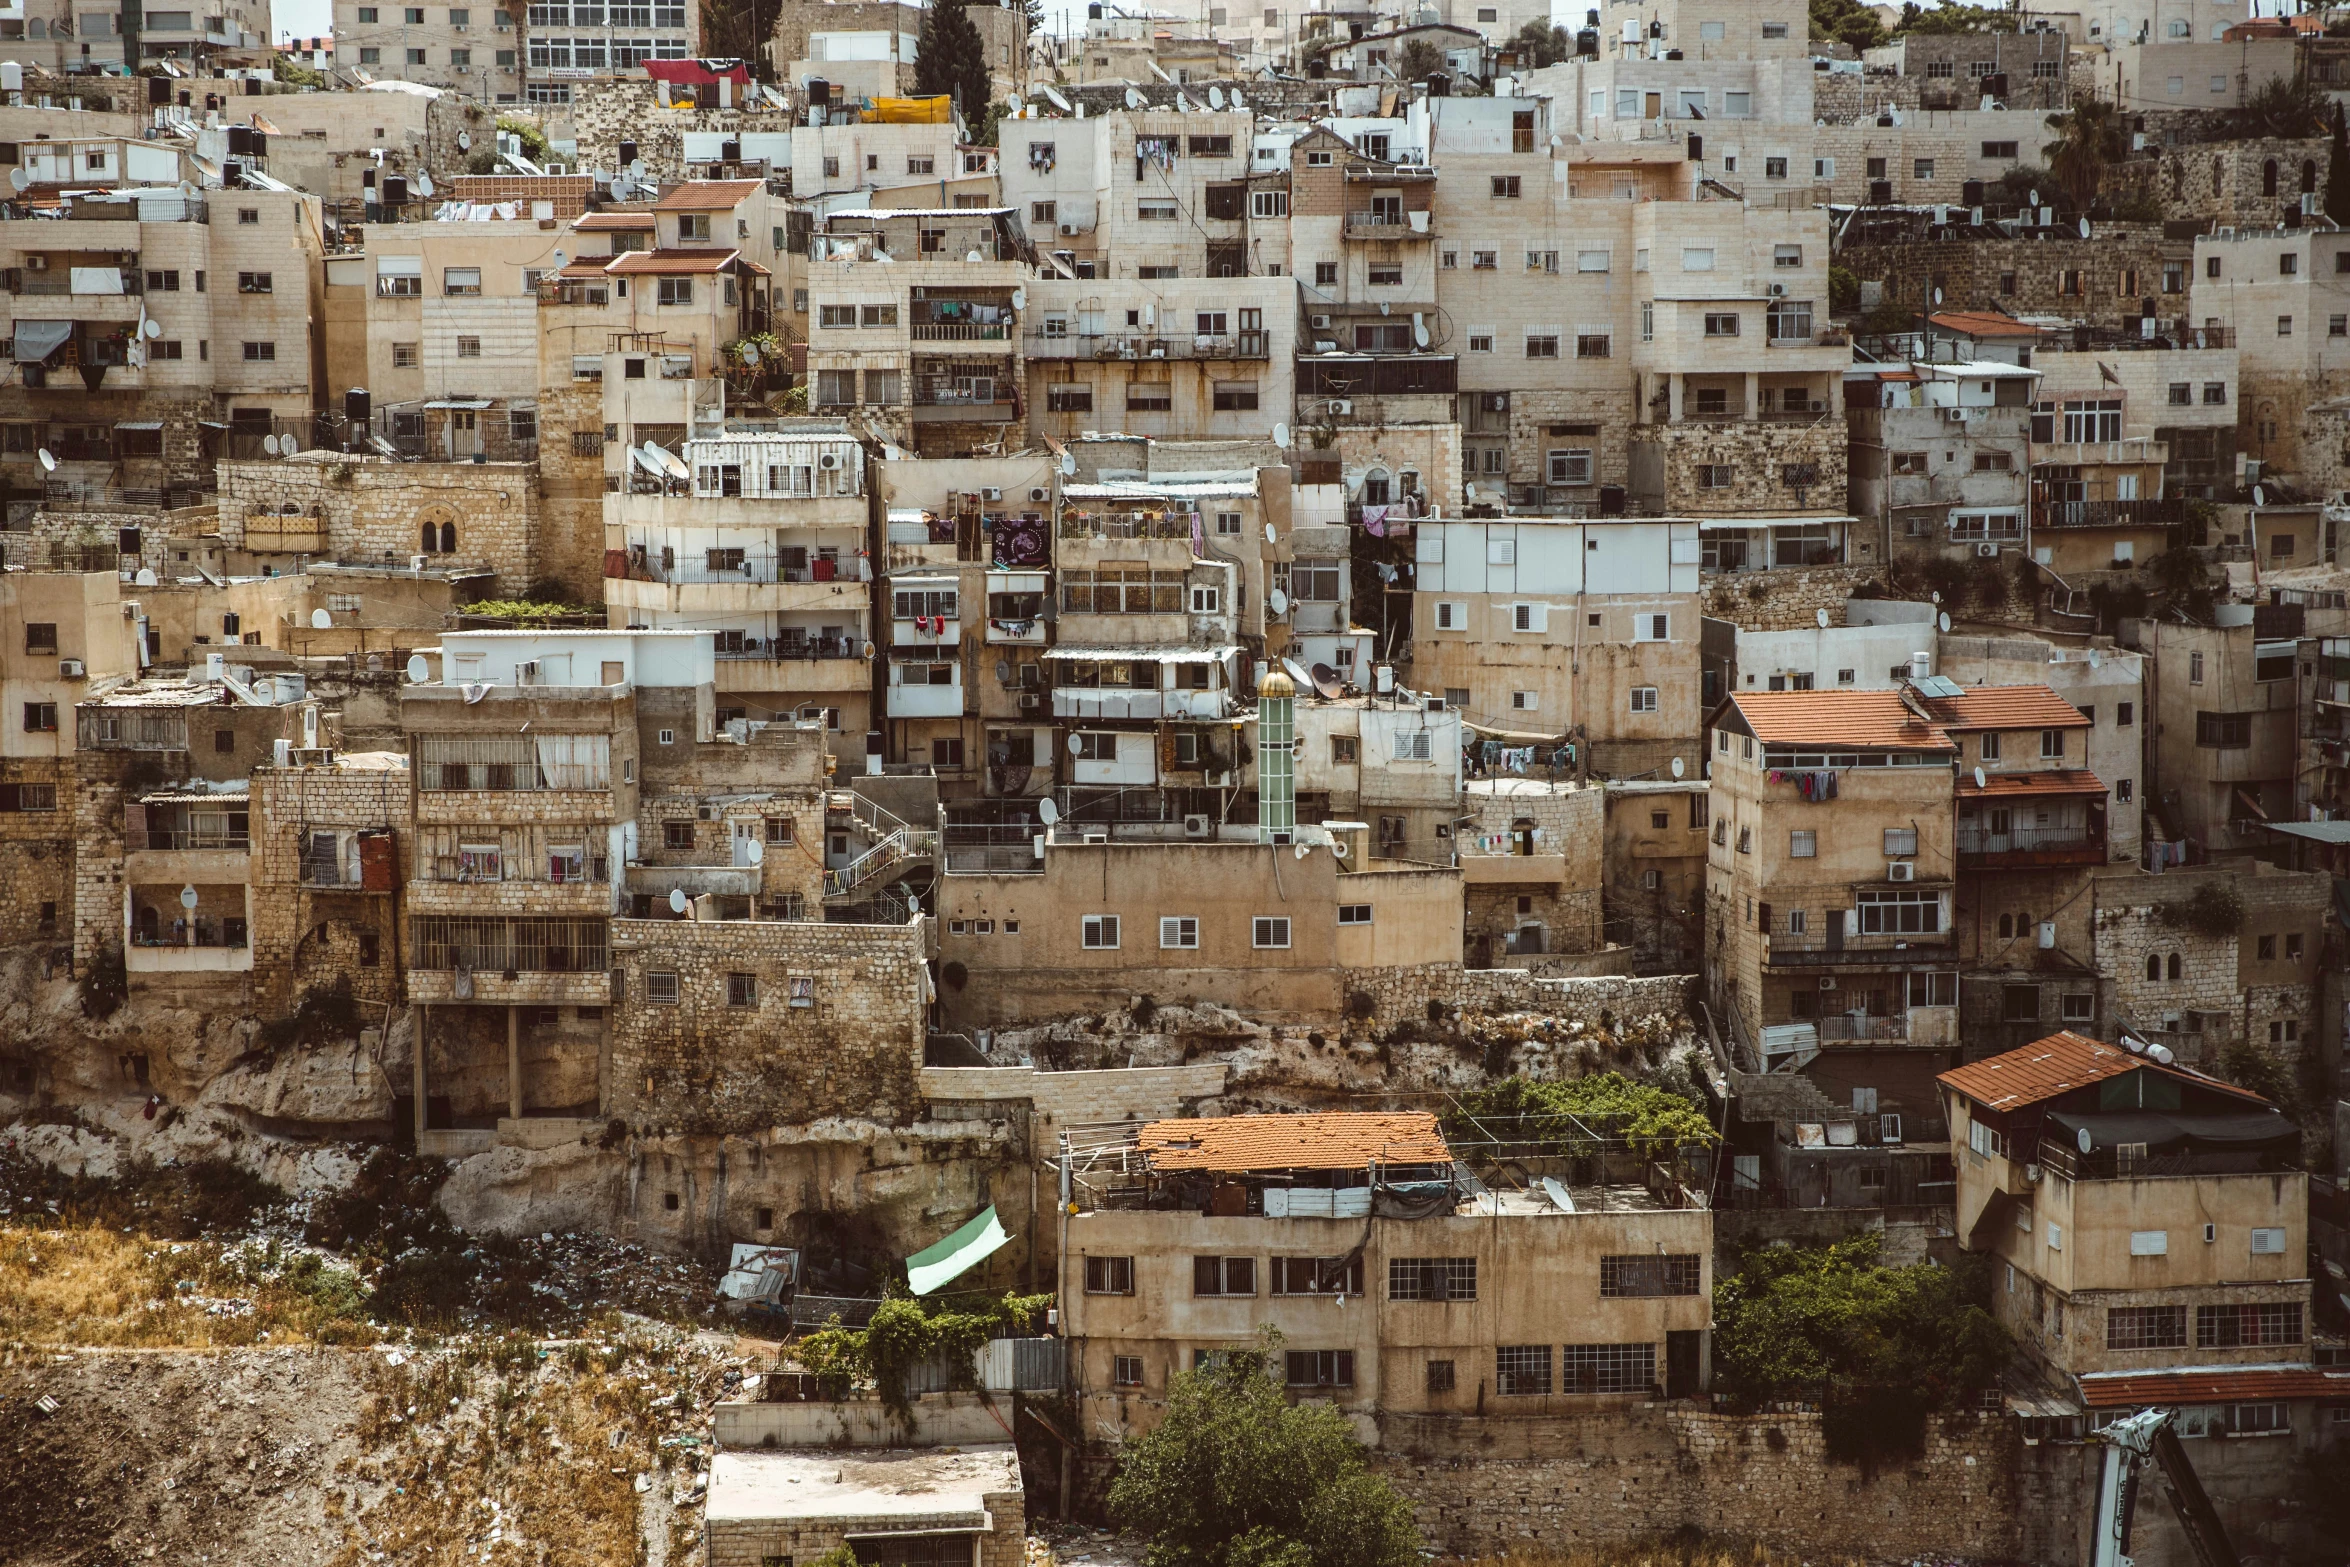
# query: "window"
1652,628
1109,1275
255,283
1099,932
1521,1369
1999,149
1570,466
742,990
1269,931
2223,731
2268,1243
661,988
1178,932
1317,1276
2239,1326
1644,699
676,291
1126,1370
1921,168
1431,1278
1223,1275
1643,1275
1319,1368
1903,913
2284,326
1505,187
2293,947
1354,914
2080,1006
1542,345
1721,323
1592,342
2146,1327
40,718
1803,844
1607,1368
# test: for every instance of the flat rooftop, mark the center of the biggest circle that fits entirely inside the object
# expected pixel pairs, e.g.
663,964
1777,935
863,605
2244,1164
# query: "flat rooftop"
876,1490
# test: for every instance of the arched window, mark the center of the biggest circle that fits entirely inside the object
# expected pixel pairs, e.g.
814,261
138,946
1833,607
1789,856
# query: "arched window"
448,538
429,539
2006,926
2268,177
2308,176
2154,965
2174,965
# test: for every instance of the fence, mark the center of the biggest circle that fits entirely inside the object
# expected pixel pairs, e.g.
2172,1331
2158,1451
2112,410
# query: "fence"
539,945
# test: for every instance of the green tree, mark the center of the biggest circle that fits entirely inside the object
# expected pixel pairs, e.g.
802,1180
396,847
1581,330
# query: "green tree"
1419,61
2282,109
1238,1476
951,60
1949,16
1545,43
2088,137
2338,172
1846,22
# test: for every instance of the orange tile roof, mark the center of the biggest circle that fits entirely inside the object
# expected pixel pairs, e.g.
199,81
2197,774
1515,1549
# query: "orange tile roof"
2006,707
668,263
2209,1385
2007,786
1876,720
1982,323
614,223
1344,1140
2057,1065
707,195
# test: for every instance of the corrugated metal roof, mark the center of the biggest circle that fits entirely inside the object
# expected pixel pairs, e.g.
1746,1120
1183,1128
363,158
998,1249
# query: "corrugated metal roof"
669,262
613,223
1876,720
1346,1140
2315,832
2003,786
2209,1385
2007,707
1157,490
1981,323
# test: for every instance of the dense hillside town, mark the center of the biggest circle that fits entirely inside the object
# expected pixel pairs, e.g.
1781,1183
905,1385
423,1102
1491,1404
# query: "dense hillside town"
867,782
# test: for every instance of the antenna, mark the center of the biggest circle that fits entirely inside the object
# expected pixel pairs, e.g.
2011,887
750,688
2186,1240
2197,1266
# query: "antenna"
1280,602
1215,97
1946,620
19,180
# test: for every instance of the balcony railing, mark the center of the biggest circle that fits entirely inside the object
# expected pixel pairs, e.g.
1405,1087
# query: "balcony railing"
177,838
1137,346
780,648
1874,947
975,850
2026,840
1386,225
2111,1164
2107,514
1126,525
959,332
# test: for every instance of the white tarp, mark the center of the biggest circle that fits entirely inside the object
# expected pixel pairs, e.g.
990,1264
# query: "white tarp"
97,280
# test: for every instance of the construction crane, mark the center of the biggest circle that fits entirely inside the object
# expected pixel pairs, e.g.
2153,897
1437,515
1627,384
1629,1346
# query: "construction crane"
2129,1443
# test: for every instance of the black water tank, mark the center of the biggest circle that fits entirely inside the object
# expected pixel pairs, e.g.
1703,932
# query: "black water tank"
356,406
730,152
1995,85
819,92
367,179
627,153
395,189
1587,43
1970,193
159,90
1880,192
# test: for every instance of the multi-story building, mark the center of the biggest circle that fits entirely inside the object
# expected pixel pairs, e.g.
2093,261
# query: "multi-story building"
475,50
1445,1317
1155,193
1830,882
2284,296
2105,683
1942,461
1195,357
1541,626
866,48
2224,702
1873,646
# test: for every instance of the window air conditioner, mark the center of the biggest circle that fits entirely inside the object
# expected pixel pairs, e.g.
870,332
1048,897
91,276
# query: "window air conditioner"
1030,701
1068,231
1196,826
828,460
527,673
71,669
1987,551
1341,405
1037,492
36,263
1827,982
1901,870
991,494
1321,323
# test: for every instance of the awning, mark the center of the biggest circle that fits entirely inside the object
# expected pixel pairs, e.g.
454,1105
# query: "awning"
37,340
469,402
2208,1385
399,266
958,1254
1143,655
2314,832
2001,786
95,280
138,424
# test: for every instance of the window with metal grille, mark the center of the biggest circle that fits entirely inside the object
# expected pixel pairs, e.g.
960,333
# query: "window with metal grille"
1441,1377
1431,1278
487,944
1109,1275
2146,1327
1320,1368
1521,1369
2234,1327
2224,731
1126,1370
1607,1368
1640,1275
1223,1275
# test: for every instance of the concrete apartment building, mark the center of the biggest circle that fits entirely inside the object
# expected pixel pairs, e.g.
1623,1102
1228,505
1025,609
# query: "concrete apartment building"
2107,408
1185,358
1445,1316
1531,851
1155,193
765,547
915,319
1942,461
1830,884
475,50
867,48
2106,683
2224,700
2284,297
1554,627
230,277
1390,761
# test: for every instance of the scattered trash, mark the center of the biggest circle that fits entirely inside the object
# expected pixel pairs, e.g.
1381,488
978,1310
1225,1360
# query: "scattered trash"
46,1404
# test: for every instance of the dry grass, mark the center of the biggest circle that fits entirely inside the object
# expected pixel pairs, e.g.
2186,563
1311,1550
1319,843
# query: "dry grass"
96,1287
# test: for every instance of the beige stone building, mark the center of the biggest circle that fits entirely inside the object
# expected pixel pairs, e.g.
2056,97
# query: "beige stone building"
1532,853
1155,193
2224,701
2284,297
324,865
1182,359
1538,627
1452,1304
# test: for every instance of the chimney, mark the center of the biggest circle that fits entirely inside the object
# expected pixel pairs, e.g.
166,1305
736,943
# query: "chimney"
1276,759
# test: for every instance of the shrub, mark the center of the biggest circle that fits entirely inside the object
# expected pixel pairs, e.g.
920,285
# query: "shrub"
2214,909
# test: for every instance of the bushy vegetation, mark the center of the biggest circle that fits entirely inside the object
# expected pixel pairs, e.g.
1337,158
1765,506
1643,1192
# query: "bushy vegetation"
2214,909
1652,1119
1238,1476
904,1333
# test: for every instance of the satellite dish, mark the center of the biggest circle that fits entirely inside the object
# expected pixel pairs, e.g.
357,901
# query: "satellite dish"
1068,465
1679,767
559,258
1936,595
1268,533
1326,681
321,620
418,669
423,183
1215,97
1237,106
757,852
2259,495
1937,296
1047,812
1134,100
1019,299
187,897
2032,199
151,329
2084,234
1076,744
1280,602
1281,436
18,179
465,141
48,463
750,353
146,577
1980,781
2084,1140
1821,616
677,900
1946,620
1302,850
269,444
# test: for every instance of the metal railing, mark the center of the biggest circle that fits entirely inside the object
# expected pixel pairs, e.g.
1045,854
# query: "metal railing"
174,838
1384,225
1126,525
2112,1164
2106,514
959,332
976,850
781,648
2019,840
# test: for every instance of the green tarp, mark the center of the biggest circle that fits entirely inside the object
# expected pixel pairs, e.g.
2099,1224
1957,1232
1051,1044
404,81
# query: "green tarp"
958,1254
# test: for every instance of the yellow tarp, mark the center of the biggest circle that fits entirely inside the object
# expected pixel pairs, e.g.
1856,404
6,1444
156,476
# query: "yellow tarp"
912,111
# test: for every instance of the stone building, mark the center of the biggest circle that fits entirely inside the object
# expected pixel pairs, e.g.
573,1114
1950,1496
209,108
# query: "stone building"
324,867
1943,460
1185,359
378,511
2225,702
1531,854
770,1503
2103,280
2284,294
1652,891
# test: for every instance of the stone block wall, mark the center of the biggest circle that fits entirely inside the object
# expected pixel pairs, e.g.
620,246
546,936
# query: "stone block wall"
1785,598
97,851
37,851
2081,280
375,509
2222,181
2128,936
303,936
572,480
603,113
852,1047
1759,456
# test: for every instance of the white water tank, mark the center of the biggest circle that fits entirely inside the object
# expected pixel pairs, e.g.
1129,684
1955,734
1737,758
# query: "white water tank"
1921,665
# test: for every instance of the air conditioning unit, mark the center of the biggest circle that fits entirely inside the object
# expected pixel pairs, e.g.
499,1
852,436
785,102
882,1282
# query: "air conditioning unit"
1342,405
1038,493
71,669
1321,323
527,674
1068,231
36,263
1197,826
1096,837
2031,1175
991,493
1827,982
1435,704
1030,701
1986,552
1902,870
1778,291
828,460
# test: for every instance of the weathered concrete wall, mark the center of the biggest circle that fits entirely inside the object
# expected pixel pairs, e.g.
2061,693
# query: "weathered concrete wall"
1787,598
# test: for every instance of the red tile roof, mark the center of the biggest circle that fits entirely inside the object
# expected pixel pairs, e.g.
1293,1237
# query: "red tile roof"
2057,1065
614,223
1347,1140
668,263
1877,720
2210,1385
2006,707
1982,323
707,195
2011,786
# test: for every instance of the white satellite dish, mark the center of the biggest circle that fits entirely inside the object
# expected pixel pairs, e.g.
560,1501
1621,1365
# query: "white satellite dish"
48,462
1979,780
1280,602
1068,465
1821,616
1047,812
18,179
750,353
423,183
269,444
1936,595
146,577
1237,106
1019,299
418,669
2084,228
1679,767
1281,436
465,141
1215,97
1076,744
187,897
151,329
559,258
1134,100
1937,296
1946,620
756,851
321,620
2259,495
677,900
1269,533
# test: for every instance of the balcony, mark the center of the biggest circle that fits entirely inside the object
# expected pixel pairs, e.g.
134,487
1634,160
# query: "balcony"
1872,950
1138,347
2110,1164
1926,1027
1981,847
2048,513
789,649
1385,226
1108,705
987,400
959,332
922,701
